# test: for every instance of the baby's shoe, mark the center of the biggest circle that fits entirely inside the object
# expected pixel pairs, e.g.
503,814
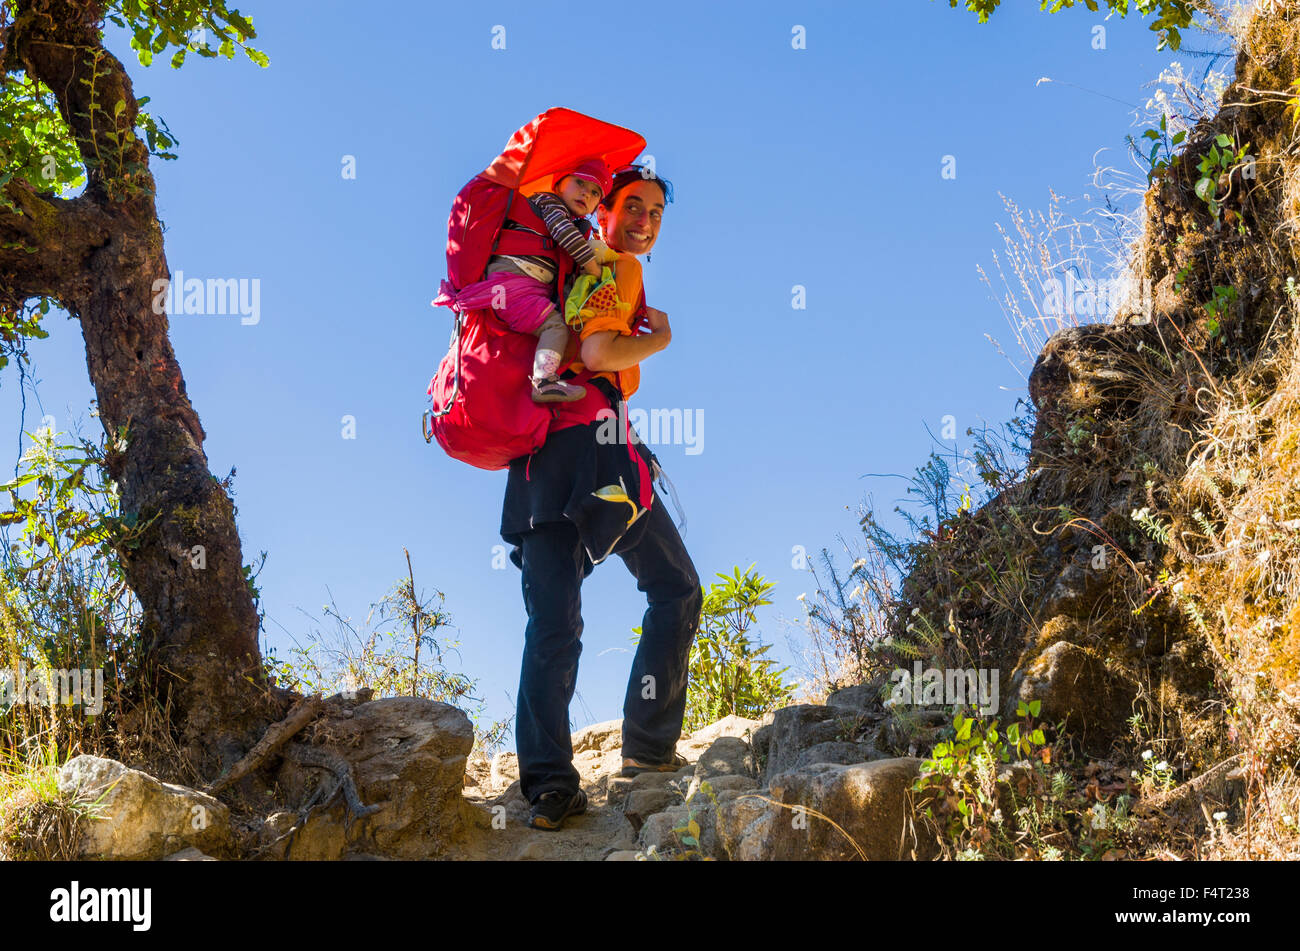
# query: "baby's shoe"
551,389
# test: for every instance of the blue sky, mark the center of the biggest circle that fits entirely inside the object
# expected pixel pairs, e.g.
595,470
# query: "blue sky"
817,167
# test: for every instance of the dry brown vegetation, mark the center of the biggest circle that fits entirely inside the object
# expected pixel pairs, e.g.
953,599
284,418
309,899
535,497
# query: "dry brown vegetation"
1156,523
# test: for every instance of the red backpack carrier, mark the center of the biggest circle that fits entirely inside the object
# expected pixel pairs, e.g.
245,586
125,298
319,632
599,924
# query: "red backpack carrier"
482,412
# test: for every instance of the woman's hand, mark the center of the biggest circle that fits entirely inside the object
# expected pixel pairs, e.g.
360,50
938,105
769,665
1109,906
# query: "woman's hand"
656,322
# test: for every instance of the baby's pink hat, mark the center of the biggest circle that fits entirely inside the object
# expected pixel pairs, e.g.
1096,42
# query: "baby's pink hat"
596,171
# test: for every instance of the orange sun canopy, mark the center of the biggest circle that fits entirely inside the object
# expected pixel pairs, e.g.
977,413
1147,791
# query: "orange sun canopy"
555,142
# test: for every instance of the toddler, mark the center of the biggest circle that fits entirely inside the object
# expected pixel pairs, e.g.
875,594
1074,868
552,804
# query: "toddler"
526,283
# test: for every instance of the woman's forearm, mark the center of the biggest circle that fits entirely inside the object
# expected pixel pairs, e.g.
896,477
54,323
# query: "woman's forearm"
608,350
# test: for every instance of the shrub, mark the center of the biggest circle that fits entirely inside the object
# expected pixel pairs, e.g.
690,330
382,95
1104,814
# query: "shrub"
728,670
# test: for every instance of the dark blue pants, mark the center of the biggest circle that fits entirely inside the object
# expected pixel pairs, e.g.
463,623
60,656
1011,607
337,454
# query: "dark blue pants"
554,564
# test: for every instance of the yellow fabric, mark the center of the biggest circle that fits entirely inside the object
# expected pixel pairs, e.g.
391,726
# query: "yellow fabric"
627,278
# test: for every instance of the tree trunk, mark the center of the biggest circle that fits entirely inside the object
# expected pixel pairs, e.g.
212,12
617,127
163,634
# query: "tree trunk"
101,256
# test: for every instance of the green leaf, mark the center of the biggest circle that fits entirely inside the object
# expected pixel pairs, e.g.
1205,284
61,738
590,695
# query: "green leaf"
1034,707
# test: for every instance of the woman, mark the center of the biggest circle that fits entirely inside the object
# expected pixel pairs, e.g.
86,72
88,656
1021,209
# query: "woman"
560,530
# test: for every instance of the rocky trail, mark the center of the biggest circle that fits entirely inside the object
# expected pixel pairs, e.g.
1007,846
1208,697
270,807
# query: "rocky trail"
619,808
392,779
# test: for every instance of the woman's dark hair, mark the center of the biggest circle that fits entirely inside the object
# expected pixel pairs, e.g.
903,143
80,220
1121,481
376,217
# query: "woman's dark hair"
636,173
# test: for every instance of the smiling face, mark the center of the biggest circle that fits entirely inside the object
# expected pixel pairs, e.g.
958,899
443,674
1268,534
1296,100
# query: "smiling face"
579,195
631,224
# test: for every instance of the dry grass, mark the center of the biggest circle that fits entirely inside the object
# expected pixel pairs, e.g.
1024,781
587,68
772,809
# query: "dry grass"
37,821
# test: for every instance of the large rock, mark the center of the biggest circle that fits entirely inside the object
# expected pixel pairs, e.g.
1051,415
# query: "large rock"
726,756
730,725
1080,370
189,855
599,737
797,728
657,831
871,803
1074,685
723,787
140,817
641,804
859,698
408,756
836,751
1079,587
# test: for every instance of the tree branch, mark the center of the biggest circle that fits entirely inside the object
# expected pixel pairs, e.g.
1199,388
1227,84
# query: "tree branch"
58,43
45,247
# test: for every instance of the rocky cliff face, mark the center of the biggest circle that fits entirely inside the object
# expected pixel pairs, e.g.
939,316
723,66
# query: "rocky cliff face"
1143,581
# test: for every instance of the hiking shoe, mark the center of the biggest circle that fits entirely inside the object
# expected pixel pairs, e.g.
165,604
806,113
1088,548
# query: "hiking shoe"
552,389
634,767
552,808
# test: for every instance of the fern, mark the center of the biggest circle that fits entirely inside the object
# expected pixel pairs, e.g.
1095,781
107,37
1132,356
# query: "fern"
1157,529
926,640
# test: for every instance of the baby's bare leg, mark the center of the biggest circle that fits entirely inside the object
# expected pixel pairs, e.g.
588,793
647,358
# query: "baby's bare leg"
552,336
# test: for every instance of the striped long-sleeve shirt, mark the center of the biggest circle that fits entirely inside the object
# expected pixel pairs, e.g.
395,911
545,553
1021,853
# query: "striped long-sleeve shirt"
559,222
